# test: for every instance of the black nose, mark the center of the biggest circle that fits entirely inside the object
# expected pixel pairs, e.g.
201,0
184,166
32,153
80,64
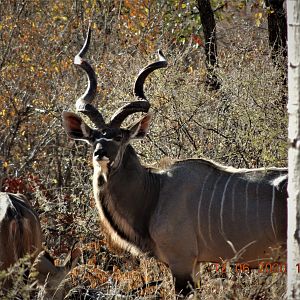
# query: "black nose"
99,153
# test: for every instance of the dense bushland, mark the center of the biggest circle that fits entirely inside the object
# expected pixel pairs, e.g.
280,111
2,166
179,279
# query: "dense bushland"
243,124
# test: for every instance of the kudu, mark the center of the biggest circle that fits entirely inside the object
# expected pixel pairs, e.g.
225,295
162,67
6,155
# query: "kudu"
21,234
193,211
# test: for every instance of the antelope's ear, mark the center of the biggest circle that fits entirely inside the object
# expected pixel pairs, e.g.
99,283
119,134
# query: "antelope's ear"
44,265
76,128
72,258
140,129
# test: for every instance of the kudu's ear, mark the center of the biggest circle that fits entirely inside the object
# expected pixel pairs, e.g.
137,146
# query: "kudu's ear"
73,257
44,265
76,128
140,128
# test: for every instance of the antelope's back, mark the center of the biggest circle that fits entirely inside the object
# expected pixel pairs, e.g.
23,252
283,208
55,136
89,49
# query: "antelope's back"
20,230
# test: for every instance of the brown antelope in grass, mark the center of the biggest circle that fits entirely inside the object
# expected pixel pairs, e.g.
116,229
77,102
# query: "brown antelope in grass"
193,211
21,234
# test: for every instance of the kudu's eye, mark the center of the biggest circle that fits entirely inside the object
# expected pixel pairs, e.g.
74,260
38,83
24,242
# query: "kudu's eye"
118,138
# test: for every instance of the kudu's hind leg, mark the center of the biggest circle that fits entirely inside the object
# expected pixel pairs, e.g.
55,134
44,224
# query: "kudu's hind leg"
181,271
183,284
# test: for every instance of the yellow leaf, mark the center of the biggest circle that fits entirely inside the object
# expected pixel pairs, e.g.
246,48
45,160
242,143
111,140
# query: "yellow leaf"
258,17
25,57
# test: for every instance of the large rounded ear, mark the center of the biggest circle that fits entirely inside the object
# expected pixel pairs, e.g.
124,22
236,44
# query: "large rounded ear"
140,129
76,128
73,256
44,265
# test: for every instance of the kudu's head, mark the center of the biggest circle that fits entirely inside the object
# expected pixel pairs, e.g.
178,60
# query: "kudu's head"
51,278
109,140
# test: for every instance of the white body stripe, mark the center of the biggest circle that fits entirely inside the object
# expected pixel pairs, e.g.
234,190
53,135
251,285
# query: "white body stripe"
210,206
232,202
272,212
199,207
222,205
257,200
247,205
276,182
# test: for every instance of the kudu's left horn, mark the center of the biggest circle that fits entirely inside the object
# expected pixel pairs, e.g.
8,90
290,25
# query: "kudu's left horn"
83,104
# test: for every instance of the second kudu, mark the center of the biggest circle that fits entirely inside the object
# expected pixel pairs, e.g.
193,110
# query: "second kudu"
194,211
20,235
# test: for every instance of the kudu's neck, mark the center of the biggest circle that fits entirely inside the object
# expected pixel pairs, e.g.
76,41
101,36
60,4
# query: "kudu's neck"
129,198
130,162
132,183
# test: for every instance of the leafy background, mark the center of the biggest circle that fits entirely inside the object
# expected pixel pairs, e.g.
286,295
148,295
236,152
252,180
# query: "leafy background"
243,124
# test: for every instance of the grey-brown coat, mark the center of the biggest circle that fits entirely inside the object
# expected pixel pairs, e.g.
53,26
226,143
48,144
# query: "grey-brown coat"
21,234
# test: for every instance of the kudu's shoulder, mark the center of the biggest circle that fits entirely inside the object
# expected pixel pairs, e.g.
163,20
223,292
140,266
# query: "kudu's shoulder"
15,204
10,197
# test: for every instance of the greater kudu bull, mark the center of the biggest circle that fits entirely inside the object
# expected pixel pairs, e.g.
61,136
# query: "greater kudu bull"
21,234
194,211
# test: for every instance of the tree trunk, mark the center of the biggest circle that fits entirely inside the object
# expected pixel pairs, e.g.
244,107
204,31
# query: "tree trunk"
293,285
277,28
209,30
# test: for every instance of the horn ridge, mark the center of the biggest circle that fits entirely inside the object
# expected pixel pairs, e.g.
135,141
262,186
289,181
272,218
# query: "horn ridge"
122,113
83,103
143,74
141,105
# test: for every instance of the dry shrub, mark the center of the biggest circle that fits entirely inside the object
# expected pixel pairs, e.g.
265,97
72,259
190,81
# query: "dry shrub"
243,124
